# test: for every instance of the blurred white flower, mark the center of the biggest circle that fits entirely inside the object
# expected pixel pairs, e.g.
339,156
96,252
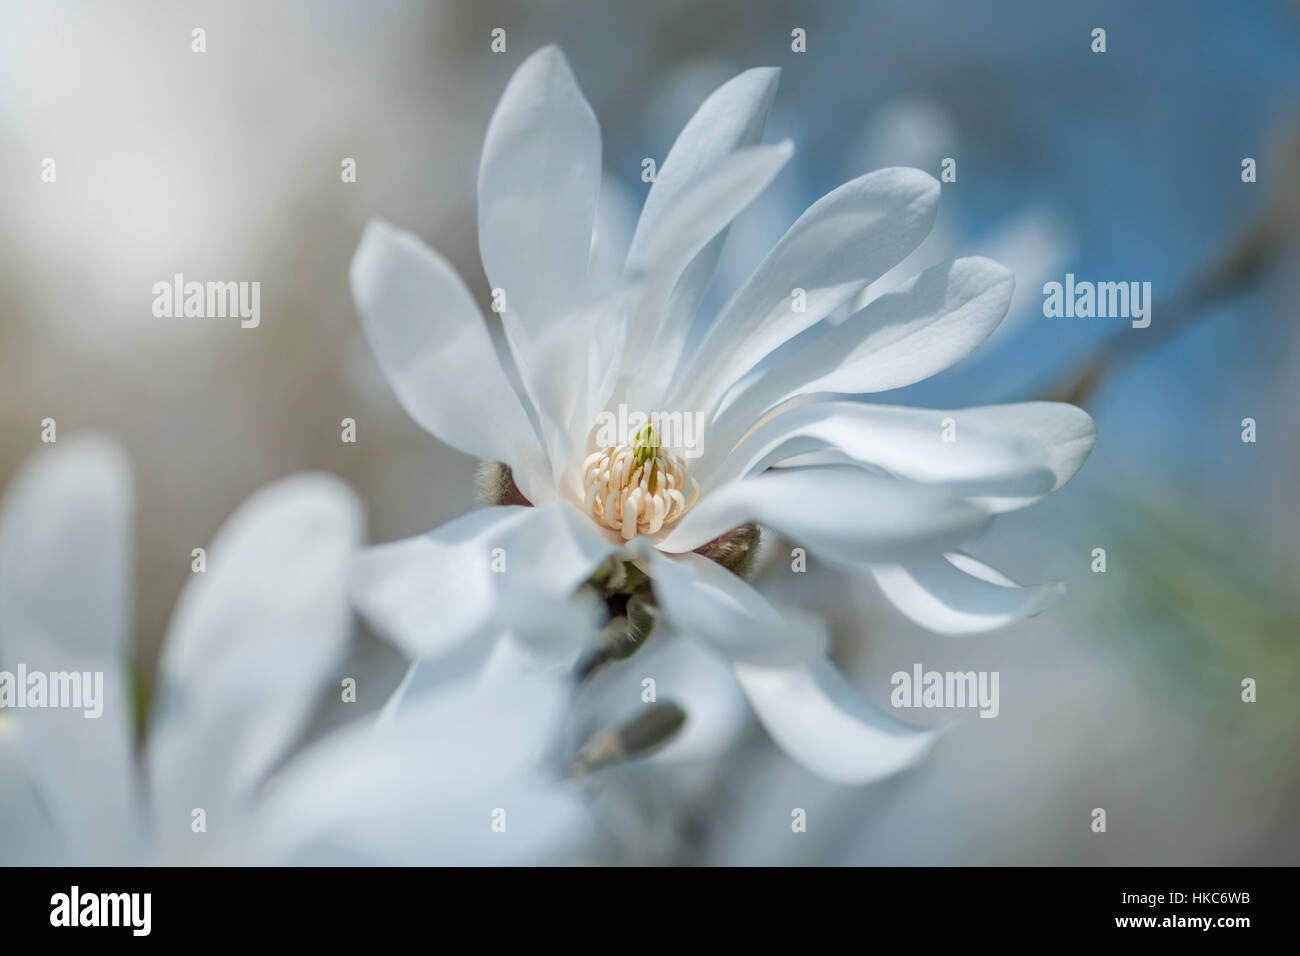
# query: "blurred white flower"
894,491
251,655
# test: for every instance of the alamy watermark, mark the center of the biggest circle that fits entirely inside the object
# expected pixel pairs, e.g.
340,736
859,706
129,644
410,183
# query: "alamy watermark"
82,690
922,688
1102,300
130,910
681,432
208,300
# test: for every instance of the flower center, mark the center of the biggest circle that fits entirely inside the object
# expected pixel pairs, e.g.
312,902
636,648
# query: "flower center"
636,489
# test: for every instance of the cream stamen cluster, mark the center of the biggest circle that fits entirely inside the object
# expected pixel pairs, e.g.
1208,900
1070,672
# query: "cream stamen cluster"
636,489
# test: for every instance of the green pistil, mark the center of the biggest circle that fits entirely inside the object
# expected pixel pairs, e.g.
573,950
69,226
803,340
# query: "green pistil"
646,446
645,450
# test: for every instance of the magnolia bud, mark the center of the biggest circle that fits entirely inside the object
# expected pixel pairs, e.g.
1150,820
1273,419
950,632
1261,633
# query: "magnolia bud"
736,550
637,738
496,485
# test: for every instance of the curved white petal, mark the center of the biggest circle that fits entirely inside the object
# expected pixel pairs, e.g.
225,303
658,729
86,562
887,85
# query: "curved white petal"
818,718
433,346
538,182
909,443
956,594
731,118
429,593
65,586
689,673
842,514
253,644
937,318
27,835
427,786
573,364
659,326
845,240
706,601
438,594
532,633
1065,435
611,234
1000,457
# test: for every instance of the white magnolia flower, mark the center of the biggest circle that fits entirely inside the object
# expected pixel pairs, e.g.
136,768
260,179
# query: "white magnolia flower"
252,654
877,489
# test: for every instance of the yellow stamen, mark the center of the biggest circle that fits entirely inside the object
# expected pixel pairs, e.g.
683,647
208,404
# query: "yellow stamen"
636,489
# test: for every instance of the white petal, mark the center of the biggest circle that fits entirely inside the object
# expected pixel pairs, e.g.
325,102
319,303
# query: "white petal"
65,586
841,243
686,672
731,118
537,188
659,327
955,594
611,235
430,593
569,364
934,320
1063,433
1003,457
532,633
841,514
906,442
706,601
539,180
423,788
819,719
430,340
438,595
252,647
27,835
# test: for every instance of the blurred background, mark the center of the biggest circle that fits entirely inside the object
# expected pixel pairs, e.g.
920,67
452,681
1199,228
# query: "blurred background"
1122,166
